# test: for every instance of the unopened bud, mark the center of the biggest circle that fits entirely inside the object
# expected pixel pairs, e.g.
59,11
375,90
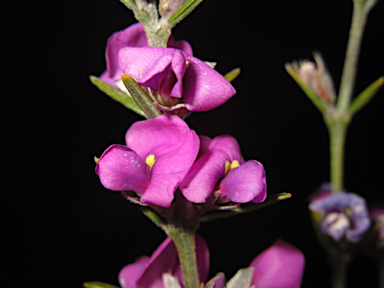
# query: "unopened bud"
167,7
317,78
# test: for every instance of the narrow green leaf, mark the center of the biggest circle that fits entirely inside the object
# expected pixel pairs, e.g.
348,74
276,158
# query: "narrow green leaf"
232,75
97,284
316,100
153,216
365,96
183,11
141,97
118,95
244,208
129,3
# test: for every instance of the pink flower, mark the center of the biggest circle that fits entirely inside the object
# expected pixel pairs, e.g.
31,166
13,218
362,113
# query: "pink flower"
133,36
158,155
220,167
279,266
147,272
179,80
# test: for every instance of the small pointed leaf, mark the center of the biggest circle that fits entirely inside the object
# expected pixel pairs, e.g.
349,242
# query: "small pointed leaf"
244,208
232,75
316,100
242,278
183,11
140,96
129,3
97,284
365,96
118,95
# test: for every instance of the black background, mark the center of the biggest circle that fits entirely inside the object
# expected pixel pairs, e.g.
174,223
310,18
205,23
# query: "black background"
65,228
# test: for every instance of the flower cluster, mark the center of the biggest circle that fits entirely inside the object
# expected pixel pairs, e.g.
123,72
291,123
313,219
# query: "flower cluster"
173,78
164,154
279,266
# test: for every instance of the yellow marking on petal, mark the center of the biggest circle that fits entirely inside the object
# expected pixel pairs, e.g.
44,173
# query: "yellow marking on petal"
229,166
235,164
202,285
96,159
150,160
187,63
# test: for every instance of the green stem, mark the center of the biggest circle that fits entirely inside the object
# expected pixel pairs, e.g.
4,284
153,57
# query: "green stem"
337,134
359,17
185,245
339,264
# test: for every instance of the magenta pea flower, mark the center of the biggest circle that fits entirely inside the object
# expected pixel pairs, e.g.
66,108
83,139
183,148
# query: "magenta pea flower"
279,266
220,167
342,215
133,36
148,272
158,155
177,79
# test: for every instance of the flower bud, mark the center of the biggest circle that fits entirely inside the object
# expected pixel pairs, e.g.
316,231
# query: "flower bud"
167,7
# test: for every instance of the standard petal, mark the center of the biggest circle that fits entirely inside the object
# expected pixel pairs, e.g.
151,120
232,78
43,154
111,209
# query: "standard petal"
245,183
133,36
137,61
120,168
229,145
280,266
174,147
181,44
204,87
129,274
154,76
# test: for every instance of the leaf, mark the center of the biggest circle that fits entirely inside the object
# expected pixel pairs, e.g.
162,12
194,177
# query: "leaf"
129,3
232,75
183,11
97,284
244,208
118,95
140,96
365,96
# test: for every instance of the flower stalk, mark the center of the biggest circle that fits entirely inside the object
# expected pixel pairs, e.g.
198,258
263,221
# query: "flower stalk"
339,265
184,240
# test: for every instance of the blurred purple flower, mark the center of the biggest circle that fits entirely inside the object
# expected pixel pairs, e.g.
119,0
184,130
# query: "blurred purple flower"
220,166
279,266
342,215
158,155
179,80
133,36
147,272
